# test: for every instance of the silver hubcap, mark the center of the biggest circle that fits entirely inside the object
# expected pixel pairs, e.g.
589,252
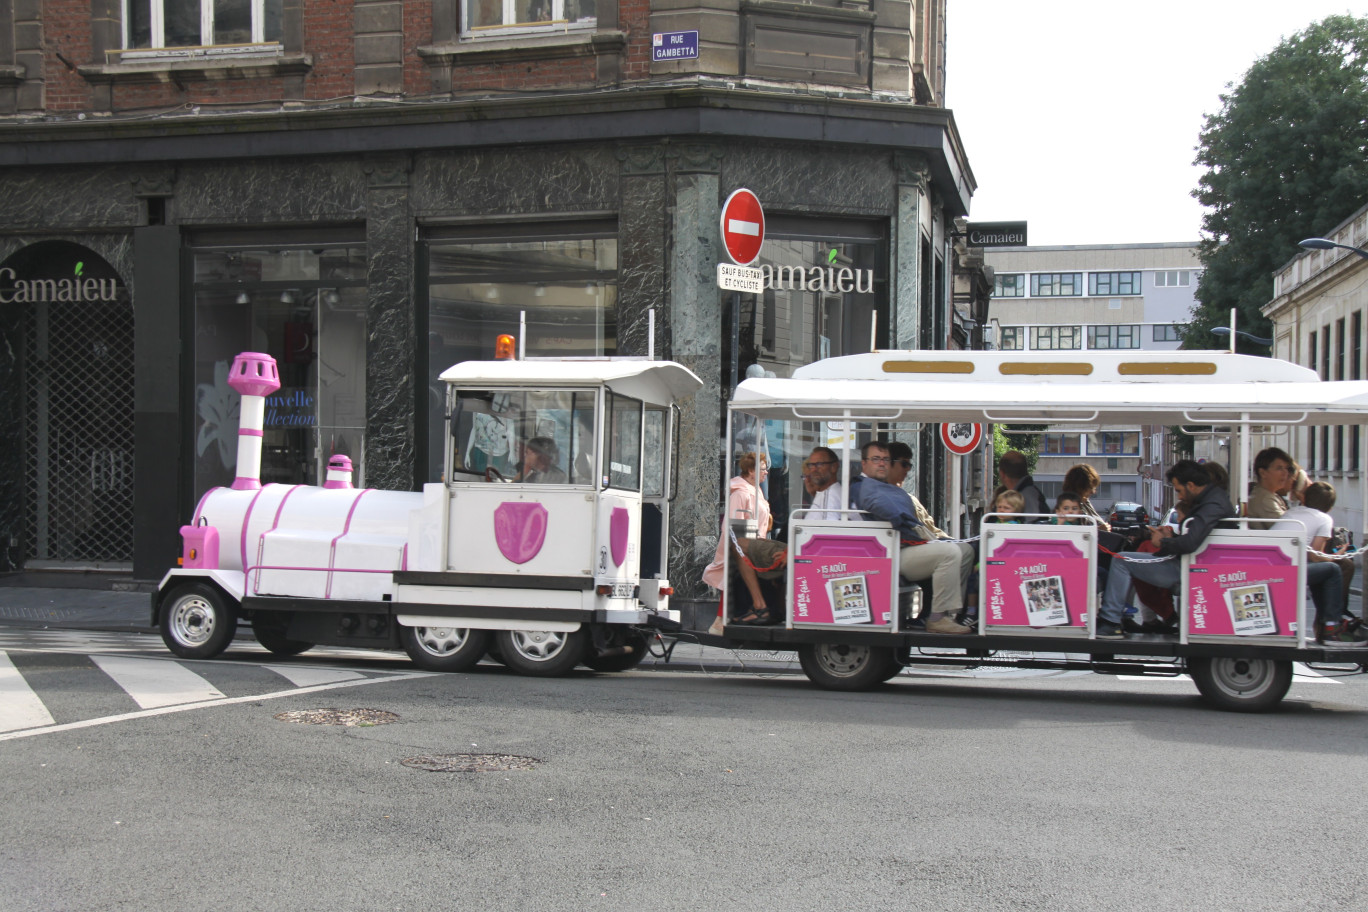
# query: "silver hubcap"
842,661
538,645
441,641
1242,677
193,620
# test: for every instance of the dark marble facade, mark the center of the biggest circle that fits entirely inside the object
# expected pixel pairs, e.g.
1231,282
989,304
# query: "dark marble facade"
666,196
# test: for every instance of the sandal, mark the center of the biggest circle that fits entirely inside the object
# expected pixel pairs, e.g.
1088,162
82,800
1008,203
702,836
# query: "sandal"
756,617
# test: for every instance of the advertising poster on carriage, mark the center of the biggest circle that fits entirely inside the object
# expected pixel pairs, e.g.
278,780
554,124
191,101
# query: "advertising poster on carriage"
1029,583
1242,591
842,580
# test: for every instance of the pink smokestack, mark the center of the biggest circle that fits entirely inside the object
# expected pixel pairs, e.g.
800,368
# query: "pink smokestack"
339,472
254,375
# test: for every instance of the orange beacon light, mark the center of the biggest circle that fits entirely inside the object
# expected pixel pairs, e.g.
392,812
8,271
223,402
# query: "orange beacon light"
503,348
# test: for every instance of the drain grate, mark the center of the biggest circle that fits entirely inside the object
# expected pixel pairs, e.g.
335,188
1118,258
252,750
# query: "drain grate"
470,763
348,717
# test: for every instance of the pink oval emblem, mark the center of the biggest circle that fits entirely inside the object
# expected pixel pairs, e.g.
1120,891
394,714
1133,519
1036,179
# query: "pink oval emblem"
519,530
618,527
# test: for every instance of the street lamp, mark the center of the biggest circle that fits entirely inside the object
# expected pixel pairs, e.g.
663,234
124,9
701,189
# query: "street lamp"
1225,331
1327,244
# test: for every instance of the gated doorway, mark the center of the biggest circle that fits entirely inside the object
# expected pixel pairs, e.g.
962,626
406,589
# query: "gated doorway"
67,497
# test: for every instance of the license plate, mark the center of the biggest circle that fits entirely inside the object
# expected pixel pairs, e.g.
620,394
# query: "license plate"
622,590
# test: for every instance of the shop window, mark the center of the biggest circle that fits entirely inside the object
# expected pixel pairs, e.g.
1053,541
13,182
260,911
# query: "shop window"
561,285
197,23
481,16
306,307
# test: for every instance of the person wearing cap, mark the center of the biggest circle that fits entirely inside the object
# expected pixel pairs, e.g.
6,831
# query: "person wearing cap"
539,462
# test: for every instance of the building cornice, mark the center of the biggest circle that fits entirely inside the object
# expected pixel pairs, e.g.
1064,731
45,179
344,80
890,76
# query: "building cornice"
651,112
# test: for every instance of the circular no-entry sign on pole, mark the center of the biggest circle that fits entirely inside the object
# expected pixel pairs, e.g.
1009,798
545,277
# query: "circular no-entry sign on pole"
743,227
961,438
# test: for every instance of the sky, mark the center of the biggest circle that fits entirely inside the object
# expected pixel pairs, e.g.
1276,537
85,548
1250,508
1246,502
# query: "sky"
1081,117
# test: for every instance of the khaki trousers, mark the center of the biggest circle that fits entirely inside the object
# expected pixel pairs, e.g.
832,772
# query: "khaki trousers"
946,565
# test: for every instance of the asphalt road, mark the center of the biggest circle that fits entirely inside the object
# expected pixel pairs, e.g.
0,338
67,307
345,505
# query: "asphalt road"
670,790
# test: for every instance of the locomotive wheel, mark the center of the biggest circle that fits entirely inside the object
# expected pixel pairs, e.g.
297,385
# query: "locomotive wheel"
626,662
443,648
1241,685
835,666
543,653
197,621
270,633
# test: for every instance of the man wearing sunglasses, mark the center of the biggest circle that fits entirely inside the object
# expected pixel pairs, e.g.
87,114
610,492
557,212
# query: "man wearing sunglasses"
922,556
824,471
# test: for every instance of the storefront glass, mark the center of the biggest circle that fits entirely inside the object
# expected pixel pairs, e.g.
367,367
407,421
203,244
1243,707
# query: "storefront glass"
306,307
826,294
562,283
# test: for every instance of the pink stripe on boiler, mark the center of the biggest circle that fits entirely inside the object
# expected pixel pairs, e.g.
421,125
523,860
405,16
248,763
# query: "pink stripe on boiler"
332,548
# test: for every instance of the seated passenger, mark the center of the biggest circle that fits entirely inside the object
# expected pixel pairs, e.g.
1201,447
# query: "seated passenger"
759,557
1273,473
1210,505
539,462
922,556
1007,503
1068,509
823,472
900,463
1323,577
1015,475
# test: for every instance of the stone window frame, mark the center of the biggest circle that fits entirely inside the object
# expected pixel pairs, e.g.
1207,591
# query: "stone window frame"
286,58
450,49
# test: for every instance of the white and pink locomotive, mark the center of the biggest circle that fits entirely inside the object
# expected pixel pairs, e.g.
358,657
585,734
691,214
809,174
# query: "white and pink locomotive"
544,547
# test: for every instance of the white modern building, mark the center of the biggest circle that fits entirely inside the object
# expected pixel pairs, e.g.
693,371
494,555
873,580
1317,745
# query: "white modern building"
1104,297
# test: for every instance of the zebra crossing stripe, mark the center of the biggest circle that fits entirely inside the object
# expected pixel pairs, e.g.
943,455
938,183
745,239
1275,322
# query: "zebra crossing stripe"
153,683
306,676
19,705
228,701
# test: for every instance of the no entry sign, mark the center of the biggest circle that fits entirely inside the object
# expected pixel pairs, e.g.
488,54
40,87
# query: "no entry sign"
743,227
961,438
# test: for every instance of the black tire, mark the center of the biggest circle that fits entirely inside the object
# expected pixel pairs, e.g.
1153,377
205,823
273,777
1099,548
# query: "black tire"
840,667
1241,685
270,633
543,653
634,639
444,648
492,652
197,621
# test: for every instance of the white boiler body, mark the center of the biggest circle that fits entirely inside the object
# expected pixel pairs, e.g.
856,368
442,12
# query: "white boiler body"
310,542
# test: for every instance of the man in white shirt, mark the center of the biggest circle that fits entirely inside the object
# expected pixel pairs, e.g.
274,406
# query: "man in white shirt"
824,471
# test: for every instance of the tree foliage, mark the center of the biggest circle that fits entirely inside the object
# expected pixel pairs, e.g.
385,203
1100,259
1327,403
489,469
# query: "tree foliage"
1287,159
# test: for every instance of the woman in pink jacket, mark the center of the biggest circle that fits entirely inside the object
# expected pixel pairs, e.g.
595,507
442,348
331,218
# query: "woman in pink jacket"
762,556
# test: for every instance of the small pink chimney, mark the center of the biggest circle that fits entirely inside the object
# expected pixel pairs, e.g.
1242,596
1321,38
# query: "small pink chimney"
339,472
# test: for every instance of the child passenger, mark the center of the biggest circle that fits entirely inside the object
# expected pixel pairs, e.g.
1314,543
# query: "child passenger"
1068,509
1009,502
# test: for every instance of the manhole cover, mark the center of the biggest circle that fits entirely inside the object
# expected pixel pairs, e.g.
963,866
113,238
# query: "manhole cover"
348,717
470,763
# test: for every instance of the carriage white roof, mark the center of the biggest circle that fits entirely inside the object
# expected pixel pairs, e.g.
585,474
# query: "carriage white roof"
1057,387
657,382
